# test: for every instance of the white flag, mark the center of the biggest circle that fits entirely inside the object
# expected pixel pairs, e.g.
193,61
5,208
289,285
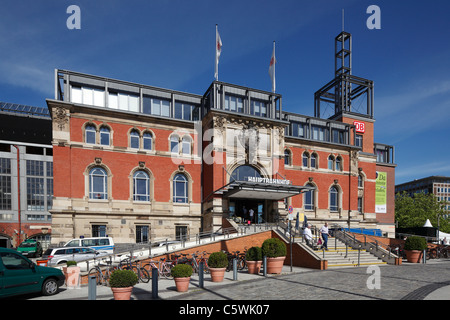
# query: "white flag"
218,52
272,68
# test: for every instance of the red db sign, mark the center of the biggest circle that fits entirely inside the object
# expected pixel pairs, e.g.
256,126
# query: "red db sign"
360,126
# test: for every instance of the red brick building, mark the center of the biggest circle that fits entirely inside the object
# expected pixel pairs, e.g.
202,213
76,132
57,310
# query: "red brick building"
138,162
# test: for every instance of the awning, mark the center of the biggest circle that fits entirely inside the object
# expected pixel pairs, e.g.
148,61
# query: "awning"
253,190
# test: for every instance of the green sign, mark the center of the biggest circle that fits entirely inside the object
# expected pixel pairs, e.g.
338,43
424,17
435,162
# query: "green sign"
380,192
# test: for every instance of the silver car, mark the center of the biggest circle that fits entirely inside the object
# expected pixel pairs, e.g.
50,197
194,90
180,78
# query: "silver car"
57,256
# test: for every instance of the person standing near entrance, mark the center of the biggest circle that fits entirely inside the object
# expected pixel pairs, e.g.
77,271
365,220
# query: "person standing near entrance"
244,211
251,212
324,232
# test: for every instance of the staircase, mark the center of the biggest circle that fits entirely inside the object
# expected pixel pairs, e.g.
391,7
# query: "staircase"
338,256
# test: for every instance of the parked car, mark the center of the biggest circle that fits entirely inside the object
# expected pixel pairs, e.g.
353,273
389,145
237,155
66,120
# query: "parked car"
97,243
19,275
57,256
30,248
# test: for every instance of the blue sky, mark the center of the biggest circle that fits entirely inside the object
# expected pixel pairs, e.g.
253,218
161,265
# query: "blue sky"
170,44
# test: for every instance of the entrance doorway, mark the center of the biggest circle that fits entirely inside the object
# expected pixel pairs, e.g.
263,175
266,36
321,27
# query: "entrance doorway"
240,208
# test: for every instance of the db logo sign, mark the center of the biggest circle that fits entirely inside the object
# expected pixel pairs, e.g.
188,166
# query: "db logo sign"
360,126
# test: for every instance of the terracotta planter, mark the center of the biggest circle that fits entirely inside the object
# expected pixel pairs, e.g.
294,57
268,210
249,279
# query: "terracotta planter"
413,256
72,275
122,293
254,266
182,284
217,274
275,265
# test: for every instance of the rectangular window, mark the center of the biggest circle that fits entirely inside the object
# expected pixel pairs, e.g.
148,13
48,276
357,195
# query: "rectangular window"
99,231
337,136
35,194
142,234
359,140
5,184
318,133
181,233
234,103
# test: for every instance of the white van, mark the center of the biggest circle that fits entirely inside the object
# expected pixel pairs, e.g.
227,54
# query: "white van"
98,243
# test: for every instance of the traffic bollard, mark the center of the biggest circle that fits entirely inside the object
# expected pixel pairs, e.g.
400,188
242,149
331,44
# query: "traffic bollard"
92,288
265,266
234,269
200,274
154,283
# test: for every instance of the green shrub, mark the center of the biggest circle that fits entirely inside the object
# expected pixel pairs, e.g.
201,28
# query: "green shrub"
181,271
123,279
71,263
218,260
254,254
273,248
416,243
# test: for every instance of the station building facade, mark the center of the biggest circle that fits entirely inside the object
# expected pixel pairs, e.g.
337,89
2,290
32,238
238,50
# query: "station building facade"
141,163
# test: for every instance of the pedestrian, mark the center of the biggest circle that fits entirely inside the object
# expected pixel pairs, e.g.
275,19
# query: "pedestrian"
244,212
307,234
251,212
324,232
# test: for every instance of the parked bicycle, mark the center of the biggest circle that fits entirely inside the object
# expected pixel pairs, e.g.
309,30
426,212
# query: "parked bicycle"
102,276
164,268
198,258
143,274
241,264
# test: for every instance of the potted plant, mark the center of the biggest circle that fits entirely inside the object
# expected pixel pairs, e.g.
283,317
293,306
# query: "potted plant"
217,263
182,275
72,274
121,283
253,258
414,247
275,251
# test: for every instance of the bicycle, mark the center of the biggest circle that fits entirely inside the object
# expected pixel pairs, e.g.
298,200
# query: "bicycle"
196,260
142,273
240,260
102,276
164,268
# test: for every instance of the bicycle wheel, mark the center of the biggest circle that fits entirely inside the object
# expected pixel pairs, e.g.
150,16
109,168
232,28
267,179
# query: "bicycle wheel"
144,276
167,271
241,264
97,273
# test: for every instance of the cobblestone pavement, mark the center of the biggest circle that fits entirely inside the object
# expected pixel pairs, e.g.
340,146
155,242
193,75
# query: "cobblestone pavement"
405,282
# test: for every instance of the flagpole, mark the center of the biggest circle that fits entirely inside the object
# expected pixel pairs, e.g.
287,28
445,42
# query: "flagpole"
273,85
216,74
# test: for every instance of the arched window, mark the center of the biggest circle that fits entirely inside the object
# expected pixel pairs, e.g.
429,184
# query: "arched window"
309,199
174,141
186,145
105,136
334,199
287,157
305,159
98,185
180,188
242,173
314,161
134,139
90,132
148,141
141,186
360,181
330,162
338,164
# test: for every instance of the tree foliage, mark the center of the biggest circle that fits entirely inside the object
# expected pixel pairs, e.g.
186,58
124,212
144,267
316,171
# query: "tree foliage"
414,211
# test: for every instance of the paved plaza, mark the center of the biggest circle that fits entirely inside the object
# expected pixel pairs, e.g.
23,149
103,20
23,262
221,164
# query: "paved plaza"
385,282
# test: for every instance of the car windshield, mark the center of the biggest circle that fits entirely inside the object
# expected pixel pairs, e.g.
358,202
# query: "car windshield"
27,244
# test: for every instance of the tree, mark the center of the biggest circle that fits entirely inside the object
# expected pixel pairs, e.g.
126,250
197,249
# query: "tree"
414,211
